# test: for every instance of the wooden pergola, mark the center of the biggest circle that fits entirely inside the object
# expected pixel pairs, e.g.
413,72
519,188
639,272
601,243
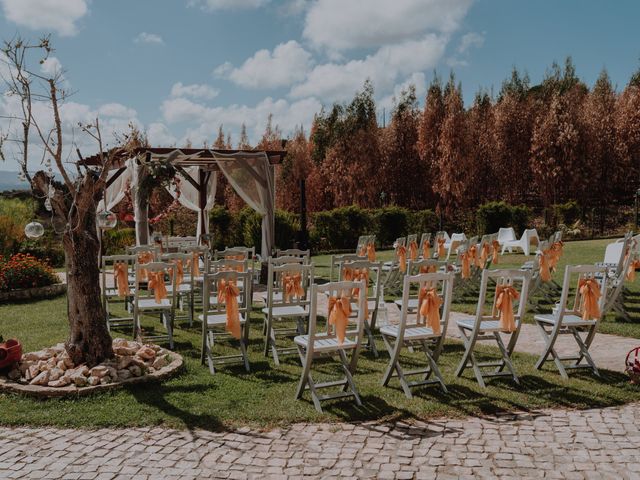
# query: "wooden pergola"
207,162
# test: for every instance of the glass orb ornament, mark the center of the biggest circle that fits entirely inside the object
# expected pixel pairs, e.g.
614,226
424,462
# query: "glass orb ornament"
156,237
34,230
106,220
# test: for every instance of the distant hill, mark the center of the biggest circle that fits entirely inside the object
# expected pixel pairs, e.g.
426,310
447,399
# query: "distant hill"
9,181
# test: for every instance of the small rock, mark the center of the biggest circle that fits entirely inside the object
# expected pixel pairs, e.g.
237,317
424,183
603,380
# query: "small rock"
125,350
61,382
146,353
135,370
124,374
61,365
124,362
55,374
41,379
33,371
79,380
99,371
93,381
14,374
105,380
160,362
67,361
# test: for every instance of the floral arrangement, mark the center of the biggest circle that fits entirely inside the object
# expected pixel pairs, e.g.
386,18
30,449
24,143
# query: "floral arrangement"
23,271
632,363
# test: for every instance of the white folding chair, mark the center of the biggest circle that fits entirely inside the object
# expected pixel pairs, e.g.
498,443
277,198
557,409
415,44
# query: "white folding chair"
317,344
146,303
115,269
305,255
287,300
512,287
184,284
454,242
217,316
432,298
413,251
337,261
425,238
572,320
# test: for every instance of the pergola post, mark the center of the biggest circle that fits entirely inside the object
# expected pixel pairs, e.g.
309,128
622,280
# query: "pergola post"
141,204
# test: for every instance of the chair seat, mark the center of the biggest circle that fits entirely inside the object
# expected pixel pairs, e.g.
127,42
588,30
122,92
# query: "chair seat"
567,320
287,311
218,318
485,325
182,288
371,305
151,304
325,343
415,332
412,304
113,292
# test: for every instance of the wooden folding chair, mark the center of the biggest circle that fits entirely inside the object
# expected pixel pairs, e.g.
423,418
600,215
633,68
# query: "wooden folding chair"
335,264
512,287
287,300
317,344
184,284
146,303
371,273
114,293
431,293
305,255
217,314
589,285
425,238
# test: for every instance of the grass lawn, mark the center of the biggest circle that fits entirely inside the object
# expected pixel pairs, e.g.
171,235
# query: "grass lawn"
264,397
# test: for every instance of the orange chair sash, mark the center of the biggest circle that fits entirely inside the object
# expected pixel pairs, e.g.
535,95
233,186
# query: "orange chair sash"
179,271
121,277
413,250
495,246
505,295
428,269
631,271
485,251
156,283
371,252
473,252
292,286
466,265
543,261
556,253
426,250
359,275
401,254
589,295
339,311
429,303
441,251
144,257
194,263
228,293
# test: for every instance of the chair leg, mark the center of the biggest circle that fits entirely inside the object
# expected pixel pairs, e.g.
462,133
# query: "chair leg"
349,376
306,365
506,359
584,351
245,358
434,367
210,345
394,353
468,344
372,341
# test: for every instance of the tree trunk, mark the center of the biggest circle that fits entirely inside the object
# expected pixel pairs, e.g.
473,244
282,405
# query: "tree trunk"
89,340
141,207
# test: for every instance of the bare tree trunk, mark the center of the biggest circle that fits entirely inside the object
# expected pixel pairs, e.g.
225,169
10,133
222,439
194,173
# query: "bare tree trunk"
141,207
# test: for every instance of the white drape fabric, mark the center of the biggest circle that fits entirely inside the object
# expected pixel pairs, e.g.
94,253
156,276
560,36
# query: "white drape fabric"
115,192
189,196
251,176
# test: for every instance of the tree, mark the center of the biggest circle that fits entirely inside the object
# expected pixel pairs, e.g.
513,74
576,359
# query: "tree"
482,186
627,127
295,167
73,201
429,129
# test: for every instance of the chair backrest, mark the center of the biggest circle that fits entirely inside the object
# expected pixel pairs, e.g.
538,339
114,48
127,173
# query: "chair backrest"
426,265
486,308
614,253
506,234
442,282
235,252
374,276
442,234
337,290
278,276
570,298
141,249
458,237
412,238
288,259
211,282
106,270
338,260
167,268
294,252
530,236
400,241
184,258
225,264
178,243
425,237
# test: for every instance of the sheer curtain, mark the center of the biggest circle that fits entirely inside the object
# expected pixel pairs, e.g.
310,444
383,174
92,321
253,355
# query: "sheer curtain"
115,192
251,176
190,196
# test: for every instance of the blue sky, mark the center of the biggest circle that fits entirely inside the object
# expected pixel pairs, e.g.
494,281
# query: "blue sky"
180,68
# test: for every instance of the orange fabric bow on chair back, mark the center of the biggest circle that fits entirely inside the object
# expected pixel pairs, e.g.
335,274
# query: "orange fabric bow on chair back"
292,286
429,303
485,251
428,269
473,252
505,295
466,265
426,250
339,311
194,263
228,293
239,258
441,250
144,257
121,277
413,250
543,261
495,246
156,283
179,271
347,274
631,271
589,295
371,252
359,275
555,254
401,254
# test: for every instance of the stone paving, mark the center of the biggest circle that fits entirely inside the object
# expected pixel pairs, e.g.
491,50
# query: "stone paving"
587,444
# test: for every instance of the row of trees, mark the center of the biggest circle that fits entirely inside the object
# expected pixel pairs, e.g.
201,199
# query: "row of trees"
536,144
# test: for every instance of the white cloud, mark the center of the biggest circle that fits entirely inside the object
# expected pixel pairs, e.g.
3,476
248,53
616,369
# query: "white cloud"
57,15
51,67
150,38
346,24
211,5
287,64
116,110
195,90
333,81
471,39
159,135
203,122
417,79
294,7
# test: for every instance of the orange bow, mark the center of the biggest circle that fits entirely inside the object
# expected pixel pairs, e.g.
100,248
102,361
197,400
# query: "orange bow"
631,271
505,295
428,269
371,252
426,250
121,276
441,250
543,261
144,257
429,308
466,265
228,293
194,263
413,250
555,254
339,311
359,275
239,258
156,283
485,251
292,286
179,271
473,252
401,254
589,295
495,245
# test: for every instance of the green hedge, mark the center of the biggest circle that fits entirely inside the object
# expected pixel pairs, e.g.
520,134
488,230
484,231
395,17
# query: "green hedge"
492,216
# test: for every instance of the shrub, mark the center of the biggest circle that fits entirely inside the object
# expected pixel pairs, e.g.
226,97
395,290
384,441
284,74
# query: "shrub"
25,271
287,229
566,213
116,241
47,249
14,215
492,216
221,226
423,221
391,222
340,228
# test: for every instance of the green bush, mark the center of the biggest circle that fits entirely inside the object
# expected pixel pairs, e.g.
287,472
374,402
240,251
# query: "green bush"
287,229
494,215
47,249
14,215
221,227
25,271
566,213
116,241
423,221
391,222
337,229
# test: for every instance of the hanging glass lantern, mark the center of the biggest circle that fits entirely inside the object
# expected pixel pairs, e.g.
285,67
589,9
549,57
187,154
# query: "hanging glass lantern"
156,237
34,230
106,220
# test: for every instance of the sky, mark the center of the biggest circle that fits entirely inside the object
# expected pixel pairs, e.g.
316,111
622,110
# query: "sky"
181,68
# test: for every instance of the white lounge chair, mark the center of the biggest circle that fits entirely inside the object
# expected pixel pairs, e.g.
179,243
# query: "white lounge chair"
529,236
